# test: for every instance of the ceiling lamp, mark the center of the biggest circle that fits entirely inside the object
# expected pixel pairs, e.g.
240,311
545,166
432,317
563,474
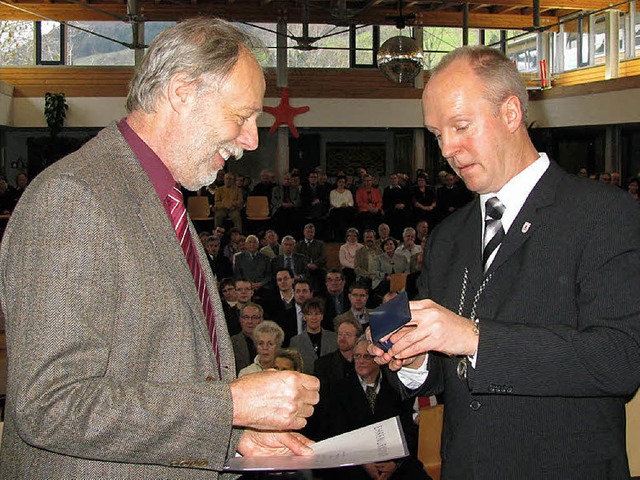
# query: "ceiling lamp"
400,59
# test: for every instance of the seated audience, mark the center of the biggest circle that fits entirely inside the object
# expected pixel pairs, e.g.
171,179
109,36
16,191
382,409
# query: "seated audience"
254,266
424,201
244,349
331,369
285,206
220,265
314,341
315,202
365,259
335,296
279,299
397,205
292,320
358,297
288,359
235,241
229,300
267,337
452,196
342,213
288,258
384,232
422,232
316,255
227,203
632,188
369,204
388,262
265,187
347,255
271,246
366,398
408,247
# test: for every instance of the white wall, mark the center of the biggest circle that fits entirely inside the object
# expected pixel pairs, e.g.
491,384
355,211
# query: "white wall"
6,93
98,111
597,109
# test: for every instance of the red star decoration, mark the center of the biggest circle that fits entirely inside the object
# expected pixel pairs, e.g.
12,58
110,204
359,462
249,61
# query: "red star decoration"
284,113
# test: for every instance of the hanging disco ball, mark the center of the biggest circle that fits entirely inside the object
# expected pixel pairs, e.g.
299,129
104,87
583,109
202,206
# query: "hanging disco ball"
400,59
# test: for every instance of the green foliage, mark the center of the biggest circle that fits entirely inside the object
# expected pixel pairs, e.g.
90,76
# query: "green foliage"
55,111
17,40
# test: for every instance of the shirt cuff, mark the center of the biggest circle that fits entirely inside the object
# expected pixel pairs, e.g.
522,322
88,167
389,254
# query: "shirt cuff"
414,378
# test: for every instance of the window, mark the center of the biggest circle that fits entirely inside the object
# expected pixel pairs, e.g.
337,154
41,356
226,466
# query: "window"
523,50
49,43
104,48
437,42
16,38
268,40
331,50
364,43
152,29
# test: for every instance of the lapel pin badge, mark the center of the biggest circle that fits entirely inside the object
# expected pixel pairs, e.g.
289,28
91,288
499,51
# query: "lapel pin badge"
525,227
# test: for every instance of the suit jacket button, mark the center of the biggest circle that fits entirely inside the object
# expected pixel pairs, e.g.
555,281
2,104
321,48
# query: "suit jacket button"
492,388
475,405
509,389
210,378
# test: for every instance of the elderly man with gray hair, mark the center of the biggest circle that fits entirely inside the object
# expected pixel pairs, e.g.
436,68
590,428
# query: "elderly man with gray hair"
120,363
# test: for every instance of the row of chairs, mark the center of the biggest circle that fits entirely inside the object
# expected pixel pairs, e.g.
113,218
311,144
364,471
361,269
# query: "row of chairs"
256,209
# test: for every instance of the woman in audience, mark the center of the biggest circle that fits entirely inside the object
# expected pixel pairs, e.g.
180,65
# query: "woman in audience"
315,341
342,212
347,255
268,337
388,263
288,359
408,247
632,188
424,201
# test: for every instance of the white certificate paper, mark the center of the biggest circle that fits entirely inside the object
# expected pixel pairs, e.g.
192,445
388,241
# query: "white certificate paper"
375,443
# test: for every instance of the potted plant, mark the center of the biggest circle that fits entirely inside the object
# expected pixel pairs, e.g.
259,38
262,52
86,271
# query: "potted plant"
55,111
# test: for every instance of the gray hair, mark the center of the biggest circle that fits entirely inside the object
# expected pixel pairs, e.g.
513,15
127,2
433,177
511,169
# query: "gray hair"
270,328
200,47
498,74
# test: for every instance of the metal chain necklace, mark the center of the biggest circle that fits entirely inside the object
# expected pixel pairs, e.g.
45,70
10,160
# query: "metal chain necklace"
462,367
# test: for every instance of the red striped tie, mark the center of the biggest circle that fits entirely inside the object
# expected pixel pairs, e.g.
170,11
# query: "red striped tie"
178,214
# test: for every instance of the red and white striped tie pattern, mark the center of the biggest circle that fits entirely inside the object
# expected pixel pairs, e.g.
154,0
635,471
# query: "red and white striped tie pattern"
178,214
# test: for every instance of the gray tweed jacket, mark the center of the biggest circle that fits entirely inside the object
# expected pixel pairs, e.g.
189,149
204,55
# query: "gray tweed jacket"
111,370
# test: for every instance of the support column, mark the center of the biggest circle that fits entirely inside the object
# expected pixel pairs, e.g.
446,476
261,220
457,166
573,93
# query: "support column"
612,58
282,147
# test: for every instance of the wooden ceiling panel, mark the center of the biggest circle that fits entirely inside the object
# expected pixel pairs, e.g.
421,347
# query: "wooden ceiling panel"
511,14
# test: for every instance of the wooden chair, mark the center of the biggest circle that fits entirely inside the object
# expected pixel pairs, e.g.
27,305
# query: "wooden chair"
256,211
199,208
633,435
398,282
429,439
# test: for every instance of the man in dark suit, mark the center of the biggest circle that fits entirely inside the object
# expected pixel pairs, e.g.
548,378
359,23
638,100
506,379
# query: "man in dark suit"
253,266
365,398
120,362
297,262
280,299
330,370
316,255
336,299
220,265
540,330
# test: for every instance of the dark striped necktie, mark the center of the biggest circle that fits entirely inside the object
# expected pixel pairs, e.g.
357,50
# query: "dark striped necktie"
493,230
178,214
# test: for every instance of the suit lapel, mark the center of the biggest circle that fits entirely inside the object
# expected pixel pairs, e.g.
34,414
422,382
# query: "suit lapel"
160,232
529,218
471,243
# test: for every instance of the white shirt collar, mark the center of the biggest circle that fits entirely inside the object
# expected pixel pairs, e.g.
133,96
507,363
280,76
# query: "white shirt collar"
516,191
